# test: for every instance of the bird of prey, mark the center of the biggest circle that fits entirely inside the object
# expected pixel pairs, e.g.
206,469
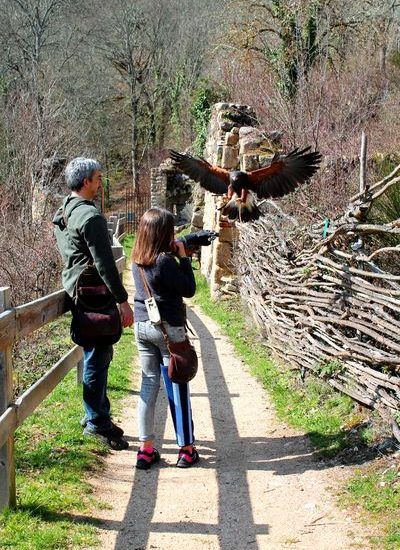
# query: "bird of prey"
281,177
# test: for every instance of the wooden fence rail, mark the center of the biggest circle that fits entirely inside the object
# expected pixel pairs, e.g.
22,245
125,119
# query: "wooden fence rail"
16,322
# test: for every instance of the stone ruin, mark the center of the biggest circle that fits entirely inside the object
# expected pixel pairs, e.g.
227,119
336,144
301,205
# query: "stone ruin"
172,190
234,142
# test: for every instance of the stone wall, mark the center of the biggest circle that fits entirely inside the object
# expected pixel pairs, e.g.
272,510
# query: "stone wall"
158,187
234,142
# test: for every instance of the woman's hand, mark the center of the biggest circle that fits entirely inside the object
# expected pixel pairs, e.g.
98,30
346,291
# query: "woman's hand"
179,249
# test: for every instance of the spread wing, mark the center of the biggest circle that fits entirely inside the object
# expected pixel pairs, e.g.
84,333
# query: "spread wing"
284,173
210,177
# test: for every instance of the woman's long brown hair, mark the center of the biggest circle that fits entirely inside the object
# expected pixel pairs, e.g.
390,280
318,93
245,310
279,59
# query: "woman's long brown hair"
155,235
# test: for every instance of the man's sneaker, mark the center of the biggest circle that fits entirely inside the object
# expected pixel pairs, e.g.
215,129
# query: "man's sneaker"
109,438
119,432
146,459
186,459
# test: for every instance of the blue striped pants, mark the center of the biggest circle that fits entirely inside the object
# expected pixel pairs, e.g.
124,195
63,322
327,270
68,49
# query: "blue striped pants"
154,358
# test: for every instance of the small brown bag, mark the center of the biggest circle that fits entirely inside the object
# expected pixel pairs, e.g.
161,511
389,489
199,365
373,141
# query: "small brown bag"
183,361
96,320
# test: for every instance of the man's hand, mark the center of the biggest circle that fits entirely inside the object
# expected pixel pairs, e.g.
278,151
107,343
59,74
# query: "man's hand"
126,313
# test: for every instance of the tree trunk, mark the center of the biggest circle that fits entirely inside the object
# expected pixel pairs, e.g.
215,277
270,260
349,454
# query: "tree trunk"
134,103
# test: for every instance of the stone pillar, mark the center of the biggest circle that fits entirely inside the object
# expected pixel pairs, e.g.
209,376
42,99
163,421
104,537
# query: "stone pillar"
158,187
222,149
172,190
234,142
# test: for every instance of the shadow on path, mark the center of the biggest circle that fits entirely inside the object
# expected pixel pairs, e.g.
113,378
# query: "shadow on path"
231,456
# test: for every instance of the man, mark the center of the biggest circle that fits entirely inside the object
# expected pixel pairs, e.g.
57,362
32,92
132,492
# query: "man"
82,236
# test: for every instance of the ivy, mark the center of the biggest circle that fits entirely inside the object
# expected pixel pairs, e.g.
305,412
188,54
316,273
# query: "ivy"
204,98
297,49
175,98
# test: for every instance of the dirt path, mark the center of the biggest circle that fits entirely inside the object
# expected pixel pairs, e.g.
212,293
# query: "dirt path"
257,485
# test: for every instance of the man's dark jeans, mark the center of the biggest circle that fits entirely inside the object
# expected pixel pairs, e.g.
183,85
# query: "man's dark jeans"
95,401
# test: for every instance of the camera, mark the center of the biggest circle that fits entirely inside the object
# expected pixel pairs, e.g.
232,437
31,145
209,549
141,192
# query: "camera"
193,241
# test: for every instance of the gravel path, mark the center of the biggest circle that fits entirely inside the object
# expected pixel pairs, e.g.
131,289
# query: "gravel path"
257,485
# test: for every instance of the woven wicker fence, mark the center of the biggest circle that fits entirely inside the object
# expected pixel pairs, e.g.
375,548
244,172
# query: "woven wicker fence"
327,297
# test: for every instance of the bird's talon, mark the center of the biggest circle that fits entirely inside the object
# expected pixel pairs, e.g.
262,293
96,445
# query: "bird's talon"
222,202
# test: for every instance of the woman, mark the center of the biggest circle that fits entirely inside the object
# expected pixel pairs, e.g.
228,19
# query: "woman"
169,280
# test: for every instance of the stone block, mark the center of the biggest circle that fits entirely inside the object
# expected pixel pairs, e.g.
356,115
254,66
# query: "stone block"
252,140
231,138
229,289
265,160
225,296
197,219
223,254
228,234
249,163
230,158
220,150
230,280
227,125
246,131
221,106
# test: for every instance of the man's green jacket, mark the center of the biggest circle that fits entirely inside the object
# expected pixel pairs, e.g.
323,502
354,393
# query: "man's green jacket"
86,239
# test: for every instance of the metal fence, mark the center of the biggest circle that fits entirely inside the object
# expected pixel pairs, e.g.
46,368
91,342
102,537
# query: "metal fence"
135,206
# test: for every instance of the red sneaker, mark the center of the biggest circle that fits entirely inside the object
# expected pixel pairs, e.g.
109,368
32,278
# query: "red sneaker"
186,459
146,459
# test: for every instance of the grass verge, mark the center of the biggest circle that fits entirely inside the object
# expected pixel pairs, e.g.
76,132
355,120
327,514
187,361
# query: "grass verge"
325,415
375,489
52,460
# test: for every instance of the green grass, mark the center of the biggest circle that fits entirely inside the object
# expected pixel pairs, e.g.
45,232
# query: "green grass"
312,406
53,458
129,241
378,492
38,352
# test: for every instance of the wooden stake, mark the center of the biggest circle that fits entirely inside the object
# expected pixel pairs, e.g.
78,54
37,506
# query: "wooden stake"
363,162
7,459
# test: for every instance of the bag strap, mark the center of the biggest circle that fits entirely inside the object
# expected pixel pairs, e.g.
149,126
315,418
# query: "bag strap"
150,294
65,218
145,283
90,262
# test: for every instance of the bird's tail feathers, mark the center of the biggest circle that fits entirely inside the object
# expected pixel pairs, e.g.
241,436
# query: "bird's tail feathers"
241,211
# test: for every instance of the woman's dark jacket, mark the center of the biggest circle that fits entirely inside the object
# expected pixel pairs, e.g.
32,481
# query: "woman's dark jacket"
169,281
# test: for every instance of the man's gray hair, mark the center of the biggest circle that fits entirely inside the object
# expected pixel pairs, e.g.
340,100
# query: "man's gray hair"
78,169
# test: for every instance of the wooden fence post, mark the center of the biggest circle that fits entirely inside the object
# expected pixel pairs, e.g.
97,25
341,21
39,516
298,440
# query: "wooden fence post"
7,462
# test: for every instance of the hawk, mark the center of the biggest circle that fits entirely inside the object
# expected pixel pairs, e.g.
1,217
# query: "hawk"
238,187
